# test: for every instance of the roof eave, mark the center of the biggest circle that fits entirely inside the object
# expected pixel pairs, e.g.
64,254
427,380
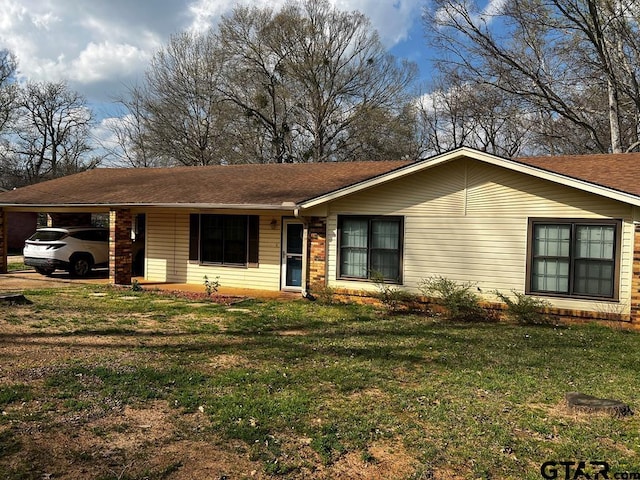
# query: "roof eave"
288,206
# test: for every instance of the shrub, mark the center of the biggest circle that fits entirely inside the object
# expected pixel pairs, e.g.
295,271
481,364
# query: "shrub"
457,299
211,286
392,297
324,294
525,309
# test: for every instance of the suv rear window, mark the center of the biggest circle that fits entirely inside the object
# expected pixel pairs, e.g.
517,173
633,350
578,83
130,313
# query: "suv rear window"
48,236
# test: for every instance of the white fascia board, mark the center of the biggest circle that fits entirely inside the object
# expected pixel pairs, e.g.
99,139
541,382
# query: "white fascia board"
464,152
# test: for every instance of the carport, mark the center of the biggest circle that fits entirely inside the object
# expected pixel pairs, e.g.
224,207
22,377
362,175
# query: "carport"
120,226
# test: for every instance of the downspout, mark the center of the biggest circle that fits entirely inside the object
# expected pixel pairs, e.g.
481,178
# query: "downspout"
305,249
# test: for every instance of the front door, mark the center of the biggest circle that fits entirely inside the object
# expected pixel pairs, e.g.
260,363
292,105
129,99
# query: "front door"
292,240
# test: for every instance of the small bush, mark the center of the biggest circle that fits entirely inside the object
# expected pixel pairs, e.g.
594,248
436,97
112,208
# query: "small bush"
324,294
525,309
458,300
392,297
211,286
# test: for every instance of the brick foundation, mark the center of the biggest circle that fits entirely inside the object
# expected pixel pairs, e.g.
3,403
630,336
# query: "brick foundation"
4,240
560,315
120,257
317,251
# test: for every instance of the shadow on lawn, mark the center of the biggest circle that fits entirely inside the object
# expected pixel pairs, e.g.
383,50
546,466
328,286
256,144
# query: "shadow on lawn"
419,342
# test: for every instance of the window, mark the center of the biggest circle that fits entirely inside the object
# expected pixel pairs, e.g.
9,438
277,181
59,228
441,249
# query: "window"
370,246
574,258
224,239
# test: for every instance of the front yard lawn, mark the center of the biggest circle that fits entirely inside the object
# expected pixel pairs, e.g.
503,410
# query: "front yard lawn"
104,383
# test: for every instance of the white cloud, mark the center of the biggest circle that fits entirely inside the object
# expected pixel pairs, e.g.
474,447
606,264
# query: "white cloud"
101,61
12,13
485,16
493,7
44,21
392,19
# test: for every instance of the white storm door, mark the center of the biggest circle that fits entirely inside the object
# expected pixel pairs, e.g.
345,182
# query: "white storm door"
292,251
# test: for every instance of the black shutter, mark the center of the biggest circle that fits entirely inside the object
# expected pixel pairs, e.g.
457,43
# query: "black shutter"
194,236
253,224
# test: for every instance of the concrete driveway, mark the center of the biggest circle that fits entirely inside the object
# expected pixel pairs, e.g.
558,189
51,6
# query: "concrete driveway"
18,280
29,279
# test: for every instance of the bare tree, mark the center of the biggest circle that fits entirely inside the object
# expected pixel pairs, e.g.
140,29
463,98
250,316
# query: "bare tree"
184,116
255,82
383,134
337,63
128,145
9,176
464,114
51,133
575,62
8,88
294,85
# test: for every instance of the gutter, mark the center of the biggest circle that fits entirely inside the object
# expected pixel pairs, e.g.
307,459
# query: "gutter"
231,206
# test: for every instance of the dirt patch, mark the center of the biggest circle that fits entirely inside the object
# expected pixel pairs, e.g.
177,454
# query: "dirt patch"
293,333
562,410
135,443
386,461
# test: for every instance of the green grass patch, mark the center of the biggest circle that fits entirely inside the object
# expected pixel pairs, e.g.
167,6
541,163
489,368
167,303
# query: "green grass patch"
128,384
14,393
16,266
299,386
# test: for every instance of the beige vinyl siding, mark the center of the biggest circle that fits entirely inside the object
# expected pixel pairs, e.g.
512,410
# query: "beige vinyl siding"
167,249
474,229
168,255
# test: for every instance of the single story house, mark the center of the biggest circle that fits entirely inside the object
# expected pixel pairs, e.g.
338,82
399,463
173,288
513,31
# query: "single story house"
566,228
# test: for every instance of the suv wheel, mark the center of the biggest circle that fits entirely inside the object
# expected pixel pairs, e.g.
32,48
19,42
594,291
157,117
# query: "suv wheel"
80,266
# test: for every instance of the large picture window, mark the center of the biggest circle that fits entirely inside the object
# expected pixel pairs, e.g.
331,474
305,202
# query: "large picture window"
573,258
370,247
224,239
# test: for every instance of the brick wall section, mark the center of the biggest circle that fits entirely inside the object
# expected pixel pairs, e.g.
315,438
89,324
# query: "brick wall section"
120,257
317,250
635,281
4,240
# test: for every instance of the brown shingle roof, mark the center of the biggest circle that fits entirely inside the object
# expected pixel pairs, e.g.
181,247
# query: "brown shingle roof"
620,171
263,185
275,184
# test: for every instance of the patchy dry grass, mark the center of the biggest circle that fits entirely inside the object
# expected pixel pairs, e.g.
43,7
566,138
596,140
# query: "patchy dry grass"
110,384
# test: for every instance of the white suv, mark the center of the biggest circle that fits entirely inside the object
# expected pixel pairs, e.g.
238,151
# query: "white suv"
76,249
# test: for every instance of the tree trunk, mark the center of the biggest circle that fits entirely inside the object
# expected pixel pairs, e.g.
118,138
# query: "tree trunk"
614,118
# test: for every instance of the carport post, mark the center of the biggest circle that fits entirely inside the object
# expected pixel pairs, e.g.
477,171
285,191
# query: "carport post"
120,246
4,240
